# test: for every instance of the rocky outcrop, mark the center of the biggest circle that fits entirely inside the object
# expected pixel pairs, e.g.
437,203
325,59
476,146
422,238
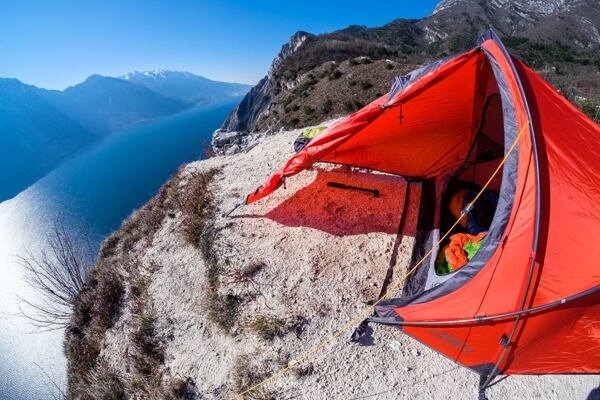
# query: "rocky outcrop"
226,142
311,79
255,103
572,22
528,6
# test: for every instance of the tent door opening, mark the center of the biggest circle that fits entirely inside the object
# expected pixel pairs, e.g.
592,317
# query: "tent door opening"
485,153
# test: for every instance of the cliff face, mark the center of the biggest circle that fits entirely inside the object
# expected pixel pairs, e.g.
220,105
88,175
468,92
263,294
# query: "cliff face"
313,77
254,105
187,303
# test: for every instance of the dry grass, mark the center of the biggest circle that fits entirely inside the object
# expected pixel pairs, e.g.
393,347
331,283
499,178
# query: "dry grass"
103,384
245,374
99,302
95,310
118,279
149,346
198,208
197,205
267,327
244,275
222,310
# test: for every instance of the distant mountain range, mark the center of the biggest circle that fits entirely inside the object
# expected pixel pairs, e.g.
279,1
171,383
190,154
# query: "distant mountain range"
186,86
103,105
34,136
316,77
39,128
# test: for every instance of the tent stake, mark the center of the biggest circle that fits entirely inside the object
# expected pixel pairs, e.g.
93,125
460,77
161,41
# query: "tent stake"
483,381
227,214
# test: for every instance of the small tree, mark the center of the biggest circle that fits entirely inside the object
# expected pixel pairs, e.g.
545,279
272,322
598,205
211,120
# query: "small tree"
57,274
327,106
335,74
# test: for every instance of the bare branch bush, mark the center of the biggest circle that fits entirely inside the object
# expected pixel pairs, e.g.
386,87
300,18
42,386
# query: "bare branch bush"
57,274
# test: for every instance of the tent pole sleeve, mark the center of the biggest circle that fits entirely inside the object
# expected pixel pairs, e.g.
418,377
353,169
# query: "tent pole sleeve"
486,318
536,234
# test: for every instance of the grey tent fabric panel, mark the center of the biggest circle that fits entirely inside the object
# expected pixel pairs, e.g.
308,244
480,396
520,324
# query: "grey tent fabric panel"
415,285
501,216
424,237
401,82
482,369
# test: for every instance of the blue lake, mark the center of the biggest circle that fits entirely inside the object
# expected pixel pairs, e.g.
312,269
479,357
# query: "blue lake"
96,189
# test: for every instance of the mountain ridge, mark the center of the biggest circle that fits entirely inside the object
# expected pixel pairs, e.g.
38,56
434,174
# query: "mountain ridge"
105,104
186,86
40,128
32,145
560,39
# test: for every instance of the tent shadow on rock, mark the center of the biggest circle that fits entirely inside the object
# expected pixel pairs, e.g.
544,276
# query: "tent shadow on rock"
347,212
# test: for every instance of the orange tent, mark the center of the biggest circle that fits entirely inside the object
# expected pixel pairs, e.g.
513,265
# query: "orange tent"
529,300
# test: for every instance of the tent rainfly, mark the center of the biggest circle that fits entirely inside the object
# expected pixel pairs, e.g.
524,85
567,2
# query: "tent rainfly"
529,301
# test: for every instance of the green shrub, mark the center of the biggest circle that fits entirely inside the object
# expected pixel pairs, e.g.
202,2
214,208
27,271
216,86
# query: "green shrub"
335,74
327,106
365,85
352,105
590,108
514,41
303,90
222,310
150,349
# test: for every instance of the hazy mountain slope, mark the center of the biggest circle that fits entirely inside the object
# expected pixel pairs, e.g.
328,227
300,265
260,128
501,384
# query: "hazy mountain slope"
102,104
186,86
34,136
558,38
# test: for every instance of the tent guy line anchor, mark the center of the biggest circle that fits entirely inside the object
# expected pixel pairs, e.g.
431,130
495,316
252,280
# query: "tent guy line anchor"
235,207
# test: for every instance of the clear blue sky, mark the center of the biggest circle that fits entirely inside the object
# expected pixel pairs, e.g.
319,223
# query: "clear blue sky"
54,44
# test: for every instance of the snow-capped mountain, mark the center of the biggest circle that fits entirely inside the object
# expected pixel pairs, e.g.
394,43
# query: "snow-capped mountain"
186,86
